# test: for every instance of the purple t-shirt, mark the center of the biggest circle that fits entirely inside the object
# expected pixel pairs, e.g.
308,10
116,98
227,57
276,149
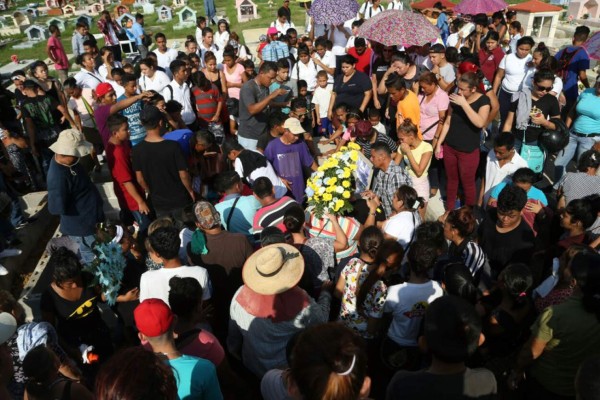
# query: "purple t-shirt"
288,160
101,114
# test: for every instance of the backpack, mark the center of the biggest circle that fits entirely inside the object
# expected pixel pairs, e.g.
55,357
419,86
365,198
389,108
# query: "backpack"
564,61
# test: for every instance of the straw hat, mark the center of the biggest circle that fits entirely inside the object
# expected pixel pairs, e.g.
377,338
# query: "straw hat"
273,269
71,142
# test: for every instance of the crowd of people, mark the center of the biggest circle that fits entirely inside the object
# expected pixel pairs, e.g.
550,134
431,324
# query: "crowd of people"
233,287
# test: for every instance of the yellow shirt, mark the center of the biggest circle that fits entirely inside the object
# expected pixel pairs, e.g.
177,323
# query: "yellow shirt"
409,108
417,153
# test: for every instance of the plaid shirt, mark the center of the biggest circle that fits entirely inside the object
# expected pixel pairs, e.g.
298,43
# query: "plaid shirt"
387,183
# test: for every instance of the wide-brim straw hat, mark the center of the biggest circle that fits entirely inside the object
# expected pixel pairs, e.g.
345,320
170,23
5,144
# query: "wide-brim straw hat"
273,269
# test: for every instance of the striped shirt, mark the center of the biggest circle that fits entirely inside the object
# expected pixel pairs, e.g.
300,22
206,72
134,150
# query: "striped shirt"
207,102
471,255
272,215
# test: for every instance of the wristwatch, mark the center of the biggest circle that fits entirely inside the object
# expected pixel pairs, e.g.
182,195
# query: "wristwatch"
437,76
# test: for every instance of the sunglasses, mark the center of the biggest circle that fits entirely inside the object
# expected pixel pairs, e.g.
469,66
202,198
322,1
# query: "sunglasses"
544,88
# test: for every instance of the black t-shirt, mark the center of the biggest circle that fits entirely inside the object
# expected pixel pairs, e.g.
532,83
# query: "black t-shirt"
264,140
549,106
160,163
463,135
478,383
380,66
352,92
502,249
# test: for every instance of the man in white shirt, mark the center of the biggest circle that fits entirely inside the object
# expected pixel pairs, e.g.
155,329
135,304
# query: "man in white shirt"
164,55
324,60
370,8
501,163
164,249
179,90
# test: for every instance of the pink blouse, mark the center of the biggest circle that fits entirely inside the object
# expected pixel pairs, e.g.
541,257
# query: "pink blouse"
235,77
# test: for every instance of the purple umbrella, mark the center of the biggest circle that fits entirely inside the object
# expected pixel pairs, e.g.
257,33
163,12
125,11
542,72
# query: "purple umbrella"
473,7
333,12
593,46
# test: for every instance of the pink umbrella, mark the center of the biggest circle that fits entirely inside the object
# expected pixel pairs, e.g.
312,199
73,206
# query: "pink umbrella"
333,12
399,28
473,7
593,46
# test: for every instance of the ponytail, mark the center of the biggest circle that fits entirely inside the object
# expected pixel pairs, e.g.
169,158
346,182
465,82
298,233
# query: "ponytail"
387,248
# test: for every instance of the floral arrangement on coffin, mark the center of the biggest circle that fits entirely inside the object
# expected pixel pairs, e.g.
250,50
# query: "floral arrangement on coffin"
107,269
330,187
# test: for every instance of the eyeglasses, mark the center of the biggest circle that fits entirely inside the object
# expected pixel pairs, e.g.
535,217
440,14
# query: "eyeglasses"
544,88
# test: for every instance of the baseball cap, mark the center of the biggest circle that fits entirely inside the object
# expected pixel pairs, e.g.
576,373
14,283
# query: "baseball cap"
437,48
207,215
103,88
153,317
294,126
272,31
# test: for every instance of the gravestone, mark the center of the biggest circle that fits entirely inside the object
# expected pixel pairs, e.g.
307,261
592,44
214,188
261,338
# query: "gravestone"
187,17
58,22
36,33
165,13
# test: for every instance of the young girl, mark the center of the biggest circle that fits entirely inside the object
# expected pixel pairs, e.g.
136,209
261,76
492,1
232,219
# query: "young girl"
416,154
234,74
214,75
490,57
305,69
209,104
401,226
221,37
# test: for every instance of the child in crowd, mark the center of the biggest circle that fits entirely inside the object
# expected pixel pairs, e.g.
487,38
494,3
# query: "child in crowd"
305,69
321,99
137,133
281,81
117,81
305,99
130,194
375,120
249,69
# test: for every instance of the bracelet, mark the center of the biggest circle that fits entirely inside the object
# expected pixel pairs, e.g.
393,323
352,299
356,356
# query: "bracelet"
373,214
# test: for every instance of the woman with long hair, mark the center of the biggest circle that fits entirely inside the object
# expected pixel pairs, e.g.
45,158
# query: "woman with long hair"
150,77
491,56
318,252
417,155
363,317
511,74
214,74
460,138
44,382
459,228
542,59
221,36
329,362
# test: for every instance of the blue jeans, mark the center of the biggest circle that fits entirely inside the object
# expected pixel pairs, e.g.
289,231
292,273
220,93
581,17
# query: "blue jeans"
209,9
249,144
577,145
85,247
142,220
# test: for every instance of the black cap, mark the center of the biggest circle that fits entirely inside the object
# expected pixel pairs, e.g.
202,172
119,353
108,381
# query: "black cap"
437,48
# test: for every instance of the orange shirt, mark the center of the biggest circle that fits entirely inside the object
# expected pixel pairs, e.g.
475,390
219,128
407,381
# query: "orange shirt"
409,108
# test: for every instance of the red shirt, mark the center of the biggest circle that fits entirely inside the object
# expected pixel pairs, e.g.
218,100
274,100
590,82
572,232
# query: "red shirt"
207,102
364,60
119,162
490,61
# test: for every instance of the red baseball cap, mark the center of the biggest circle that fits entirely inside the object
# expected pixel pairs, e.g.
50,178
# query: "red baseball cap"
153,317
103,89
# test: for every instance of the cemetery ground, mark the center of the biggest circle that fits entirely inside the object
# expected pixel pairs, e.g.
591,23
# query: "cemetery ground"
224,7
